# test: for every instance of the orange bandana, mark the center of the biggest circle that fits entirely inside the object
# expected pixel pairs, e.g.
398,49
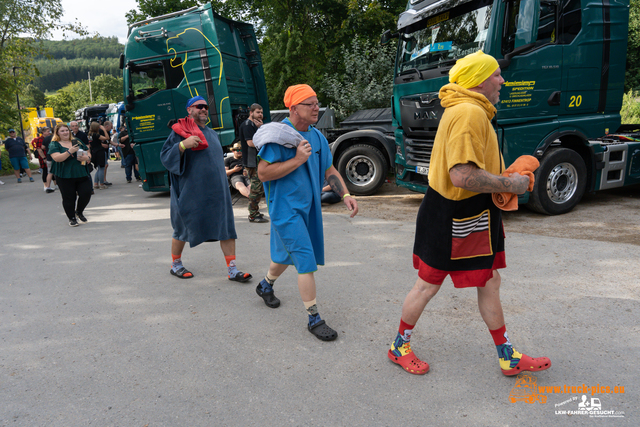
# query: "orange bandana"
296,94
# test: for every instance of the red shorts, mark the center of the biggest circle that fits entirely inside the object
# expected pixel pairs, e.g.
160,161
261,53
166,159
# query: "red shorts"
461,279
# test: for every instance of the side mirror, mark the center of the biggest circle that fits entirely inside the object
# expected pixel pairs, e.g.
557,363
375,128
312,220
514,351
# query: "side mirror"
129,105
122,61
387,36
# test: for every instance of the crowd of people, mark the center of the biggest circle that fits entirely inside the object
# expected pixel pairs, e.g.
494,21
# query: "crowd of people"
67,157
459,230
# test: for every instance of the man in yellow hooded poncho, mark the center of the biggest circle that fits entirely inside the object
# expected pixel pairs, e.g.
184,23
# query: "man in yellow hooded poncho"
459,230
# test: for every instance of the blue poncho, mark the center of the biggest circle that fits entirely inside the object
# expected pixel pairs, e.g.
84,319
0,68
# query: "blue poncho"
201,208
294,204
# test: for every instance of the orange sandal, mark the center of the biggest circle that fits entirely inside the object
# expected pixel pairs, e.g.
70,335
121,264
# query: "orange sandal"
527,363
409,361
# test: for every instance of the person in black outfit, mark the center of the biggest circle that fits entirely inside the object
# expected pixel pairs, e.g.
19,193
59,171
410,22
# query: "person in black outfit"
248,128
233,166
99,146
129,156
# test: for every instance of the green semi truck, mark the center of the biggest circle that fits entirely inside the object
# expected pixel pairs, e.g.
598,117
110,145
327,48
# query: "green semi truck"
563,62
172,58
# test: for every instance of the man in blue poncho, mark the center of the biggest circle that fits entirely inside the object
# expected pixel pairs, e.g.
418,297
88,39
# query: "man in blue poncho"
293,179
201,209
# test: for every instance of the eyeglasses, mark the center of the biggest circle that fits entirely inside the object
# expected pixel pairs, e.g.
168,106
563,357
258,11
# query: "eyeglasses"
201,106
236,149
312,105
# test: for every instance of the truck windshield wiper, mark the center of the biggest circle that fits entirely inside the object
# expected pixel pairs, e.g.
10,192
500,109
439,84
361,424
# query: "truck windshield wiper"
411,71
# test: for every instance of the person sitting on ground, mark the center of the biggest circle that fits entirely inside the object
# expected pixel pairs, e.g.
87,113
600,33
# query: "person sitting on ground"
328,196
233,166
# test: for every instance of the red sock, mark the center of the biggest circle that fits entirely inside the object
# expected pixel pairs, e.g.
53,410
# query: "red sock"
175,257
499,335
405,326
229,258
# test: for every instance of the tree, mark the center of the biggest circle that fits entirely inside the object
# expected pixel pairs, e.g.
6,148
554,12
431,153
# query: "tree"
105,89
632,76
152,8
362,79
21,35
32,97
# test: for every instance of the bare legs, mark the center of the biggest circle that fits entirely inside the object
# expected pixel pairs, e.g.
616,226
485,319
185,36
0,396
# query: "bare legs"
488,301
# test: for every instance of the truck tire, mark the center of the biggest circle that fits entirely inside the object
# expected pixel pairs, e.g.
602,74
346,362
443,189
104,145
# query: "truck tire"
561,181
363,169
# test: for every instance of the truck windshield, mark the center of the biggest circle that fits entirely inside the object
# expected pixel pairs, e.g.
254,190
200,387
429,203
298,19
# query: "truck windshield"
442,39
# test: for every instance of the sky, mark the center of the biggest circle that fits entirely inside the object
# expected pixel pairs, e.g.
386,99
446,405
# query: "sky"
107,21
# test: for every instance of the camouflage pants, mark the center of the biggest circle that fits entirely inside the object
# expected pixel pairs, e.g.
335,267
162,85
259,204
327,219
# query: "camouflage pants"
257,191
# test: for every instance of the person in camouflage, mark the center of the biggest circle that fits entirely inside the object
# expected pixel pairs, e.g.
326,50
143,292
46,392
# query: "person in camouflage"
248,128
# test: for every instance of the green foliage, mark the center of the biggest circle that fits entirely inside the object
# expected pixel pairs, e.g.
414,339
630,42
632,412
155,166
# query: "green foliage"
87,47
32,97
362,79
23,24
632,76
631,108
57,74
105,89
152,8
6,169
302,40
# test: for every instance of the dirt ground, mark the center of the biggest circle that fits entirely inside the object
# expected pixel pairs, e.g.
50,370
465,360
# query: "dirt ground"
608,216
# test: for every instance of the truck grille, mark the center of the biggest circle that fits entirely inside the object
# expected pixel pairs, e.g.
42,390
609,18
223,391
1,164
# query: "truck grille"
418,151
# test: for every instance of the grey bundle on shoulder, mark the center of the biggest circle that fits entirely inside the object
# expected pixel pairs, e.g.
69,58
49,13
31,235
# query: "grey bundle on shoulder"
277,132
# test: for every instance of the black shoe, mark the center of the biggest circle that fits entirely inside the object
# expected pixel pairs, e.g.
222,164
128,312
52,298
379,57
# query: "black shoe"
73,222
49,190
107,183
139,179
81,217
259,218
269,297
128,181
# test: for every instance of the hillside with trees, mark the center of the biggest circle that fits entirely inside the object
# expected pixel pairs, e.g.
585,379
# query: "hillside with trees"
68,61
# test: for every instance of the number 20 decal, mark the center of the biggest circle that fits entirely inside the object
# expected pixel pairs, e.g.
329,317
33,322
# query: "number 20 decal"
575,101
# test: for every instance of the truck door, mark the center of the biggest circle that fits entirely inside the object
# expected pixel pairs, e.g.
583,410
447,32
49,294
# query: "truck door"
149,94
530,97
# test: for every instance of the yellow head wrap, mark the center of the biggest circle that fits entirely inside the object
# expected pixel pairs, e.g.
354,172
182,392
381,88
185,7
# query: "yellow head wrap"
473,69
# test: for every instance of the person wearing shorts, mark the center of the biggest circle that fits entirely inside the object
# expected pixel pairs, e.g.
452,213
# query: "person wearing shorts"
17,150
459,229
235,171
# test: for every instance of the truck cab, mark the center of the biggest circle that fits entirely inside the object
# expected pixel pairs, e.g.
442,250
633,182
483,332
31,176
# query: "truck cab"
171,58
563,62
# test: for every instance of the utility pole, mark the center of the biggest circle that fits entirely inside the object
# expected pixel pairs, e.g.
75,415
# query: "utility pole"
90,94
18,101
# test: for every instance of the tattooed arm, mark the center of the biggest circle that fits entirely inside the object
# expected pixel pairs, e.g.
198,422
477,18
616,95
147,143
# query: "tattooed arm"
337,185
470,177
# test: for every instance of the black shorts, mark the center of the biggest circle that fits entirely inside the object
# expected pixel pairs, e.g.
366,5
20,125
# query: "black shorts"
238,178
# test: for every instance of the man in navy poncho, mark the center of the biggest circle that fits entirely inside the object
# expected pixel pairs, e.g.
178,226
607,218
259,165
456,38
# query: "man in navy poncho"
201,209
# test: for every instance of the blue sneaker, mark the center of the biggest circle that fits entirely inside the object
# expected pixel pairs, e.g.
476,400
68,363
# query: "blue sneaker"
19,180
31,179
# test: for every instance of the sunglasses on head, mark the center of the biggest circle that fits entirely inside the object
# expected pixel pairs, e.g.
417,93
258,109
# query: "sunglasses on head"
201,106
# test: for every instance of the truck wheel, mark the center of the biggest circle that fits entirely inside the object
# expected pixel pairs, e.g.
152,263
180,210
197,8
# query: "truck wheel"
560,183
363,169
